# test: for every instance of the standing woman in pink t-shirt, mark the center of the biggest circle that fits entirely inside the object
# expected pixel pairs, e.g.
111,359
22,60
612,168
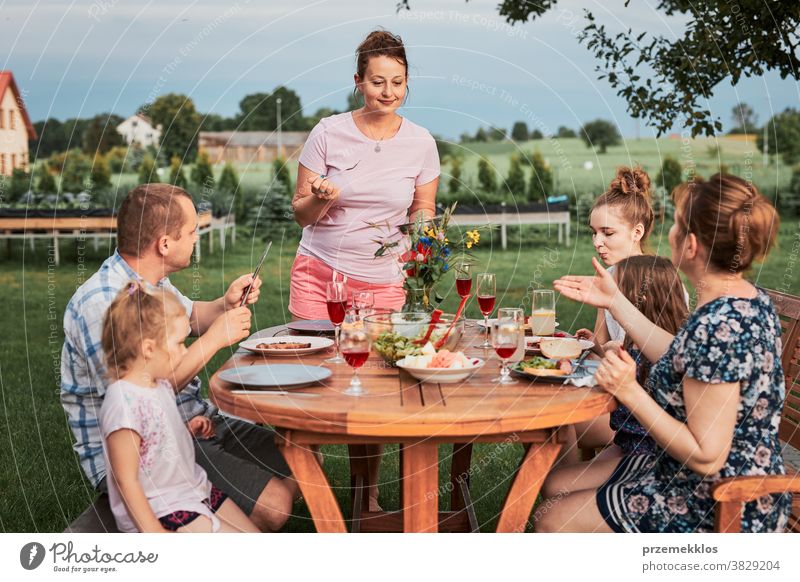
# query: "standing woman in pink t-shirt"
366,166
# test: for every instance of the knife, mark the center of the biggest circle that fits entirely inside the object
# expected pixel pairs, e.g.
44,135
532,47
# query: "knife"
255,274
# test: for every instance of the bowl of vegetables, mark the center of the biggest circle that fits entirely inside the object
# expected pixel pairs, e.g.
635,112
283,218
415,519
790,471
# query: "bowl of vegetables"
397,335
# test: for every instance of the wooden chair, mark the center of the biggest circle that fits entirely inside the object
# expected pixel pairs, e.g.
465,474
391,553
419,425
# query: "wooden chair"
732,492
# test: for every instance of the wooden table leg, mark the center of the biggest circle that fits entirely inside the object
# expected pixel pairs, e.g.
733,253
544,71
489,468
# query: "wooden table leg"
313,484
359,484
460,471
525,486
420,488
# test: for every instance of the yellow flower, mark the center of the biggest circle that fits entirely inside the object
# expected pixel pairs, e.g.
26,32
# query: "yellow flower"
469,244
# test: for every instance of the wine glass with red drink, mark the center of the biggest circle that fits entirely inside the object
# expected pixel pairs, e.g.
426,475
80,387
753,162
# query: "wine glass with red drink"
506,334
355,346
336,298
487,291
463,280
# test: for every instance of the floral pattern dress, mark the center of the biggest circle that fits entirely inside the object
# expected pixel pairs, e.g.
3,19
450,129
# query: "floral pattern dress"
729,339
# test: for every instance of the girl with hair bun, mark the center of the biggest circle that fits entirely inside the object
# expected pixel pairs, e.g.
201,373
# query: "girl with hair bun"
621,220
716,389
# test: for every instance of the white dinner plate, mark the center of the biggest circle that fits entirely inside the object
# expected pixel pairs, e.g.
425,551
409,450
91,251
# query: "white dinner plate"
317,343
284,376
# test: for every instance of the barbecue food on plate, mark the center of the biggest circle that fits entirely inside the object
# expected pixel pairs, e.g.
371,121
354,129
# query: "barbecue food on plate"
544,367
284,346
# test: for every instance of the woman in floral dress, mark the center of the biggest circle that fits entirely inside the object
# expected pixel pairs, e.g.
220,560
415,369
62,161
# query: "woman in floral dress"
717,388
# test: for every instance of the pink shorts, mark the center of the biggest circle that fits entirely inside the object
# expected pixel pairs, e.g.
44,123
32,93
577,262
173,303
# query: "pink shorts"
307,289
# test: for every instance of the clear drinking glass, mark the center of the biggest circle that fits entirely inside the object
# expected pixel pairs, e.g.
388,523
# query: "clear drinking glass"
336,298
487,292
517,315
543,316
355,345
506,334
363,300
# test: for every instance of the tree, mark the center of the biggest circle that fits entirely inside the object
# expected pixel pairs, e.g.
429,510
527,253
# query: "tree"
667,80
176,175
600,133
101,174
444,147
147,170
481,135
56,136
320,113
259,111
791,200
520,131
46,183
541,184
228,180
101,134
75,168
203,174
454,184
497,134
280,171
671,174
744,119
215,122
486,176
180,123
515,182
783,136
20,183
536,134
565,132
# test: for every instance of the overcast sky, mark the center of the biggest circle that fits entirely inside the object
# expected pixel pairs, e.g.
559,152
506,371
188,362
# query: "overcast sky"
468,67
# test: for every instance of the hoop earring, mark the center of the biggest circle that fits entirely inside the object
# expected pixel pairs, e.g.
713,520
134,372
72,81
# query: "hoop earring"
408,92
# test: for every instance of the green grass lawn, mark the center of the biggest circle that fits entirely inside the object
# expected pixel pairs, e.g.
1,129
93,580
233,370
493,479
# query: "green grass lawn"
41,484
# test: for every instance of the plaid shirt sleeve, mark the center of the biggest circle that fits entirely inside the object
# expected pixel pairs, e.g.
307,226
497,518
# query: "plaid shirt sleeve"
83,377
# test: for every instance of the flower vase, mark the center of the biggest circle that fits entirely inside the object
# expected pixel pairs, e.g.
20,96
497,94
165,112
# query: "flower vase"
418,300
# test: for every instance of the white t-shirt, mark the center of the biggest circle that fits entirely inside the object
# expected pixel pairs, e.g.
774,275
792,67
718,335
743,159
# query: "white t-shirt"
168,474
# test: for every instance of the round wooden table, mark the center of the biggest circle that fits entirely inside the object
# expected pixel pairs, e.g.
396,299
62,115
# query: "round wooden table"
419,416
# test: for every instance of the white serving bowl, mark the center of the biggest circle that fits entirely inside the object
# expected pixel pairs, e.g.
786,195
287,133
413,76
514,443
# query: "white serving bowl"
442,375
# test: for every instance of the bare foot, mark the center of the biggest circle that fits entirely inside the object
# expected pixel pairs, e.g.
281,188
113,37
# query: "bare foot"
373,504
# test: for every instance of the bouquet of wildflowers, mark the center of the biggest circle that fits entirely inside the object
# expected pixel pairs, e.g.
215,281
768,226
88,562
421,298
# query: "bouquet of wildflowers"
431,254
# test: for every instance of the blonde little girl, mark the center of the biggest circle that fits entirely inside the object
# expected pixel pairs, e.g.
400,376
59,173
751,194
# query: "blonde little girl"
154,484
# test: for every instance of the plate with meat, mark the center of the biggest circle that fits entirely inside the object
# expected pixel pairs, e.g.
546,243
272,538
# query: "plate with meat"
553,370
287,345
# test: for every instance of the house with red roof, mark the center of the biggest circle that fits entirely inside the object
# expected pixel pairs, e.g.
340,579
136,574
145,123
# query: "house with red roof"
15,127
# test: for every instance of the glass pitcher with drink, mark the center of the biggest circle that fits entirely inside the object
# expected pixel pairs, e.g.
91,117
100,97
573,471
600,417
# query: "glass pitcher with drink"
543,316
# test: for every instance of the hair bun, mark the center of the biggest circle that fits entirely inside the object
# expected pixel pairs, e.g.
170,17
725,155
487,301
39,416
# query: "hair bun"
631,181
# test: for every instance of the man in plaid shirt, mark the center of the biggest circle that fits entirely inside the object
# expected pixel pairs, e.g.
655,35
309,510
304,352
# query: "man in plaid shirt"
156,234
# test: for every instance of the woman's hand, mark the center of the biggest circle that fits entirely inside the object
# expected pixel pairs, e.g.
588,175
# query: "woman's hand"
598,291
585,334
617,374
323,188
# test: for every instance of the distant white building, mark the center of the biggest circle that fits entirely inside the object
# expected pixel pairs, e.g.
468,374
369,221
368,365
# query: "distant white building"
139,129
15,127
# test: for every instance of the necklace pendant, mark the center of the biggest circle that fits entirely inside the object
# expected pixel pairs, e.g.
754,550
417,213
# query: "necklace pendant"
377,148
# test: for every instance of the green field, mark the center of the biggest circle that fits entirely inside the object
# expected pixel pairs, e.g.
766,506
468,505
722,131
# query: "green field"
567,158
41,484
